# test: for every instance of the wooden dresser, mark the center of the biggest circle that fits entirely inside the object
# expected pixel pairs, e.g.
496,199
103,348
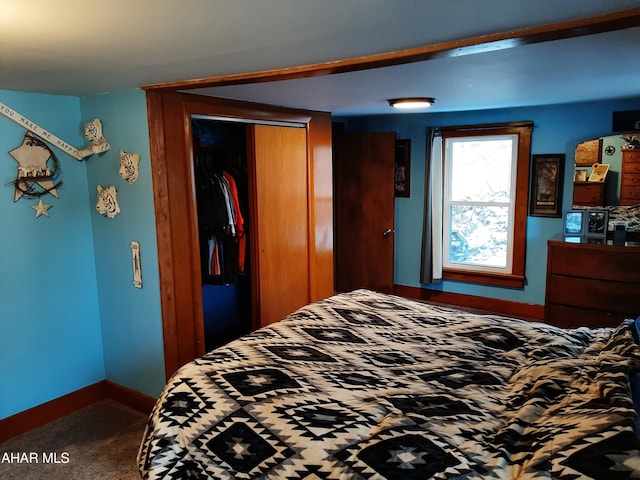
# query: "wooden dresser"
589,194
630,178
591,285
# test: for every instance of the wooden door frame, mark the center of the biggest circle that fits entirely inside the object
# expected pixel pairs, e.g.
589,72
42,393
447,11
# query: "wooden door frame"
170,141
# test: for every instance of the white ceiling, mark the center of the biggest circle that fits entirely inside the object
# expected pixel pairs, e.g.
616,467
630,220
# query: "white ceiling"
76,48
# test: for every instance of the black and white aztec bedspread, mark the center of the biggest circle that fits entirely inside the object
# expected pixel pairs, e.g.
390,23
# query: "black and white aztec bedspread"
372,386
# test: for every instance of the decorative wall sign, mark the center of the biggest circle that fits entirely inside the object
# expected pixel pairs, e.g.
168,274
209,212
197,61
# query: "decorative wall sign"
93,132
34,178
129,166
41,208
107,201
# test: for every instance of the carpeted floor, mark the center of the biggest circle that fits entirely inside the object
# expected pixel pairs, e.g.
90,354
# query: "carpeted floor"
97,442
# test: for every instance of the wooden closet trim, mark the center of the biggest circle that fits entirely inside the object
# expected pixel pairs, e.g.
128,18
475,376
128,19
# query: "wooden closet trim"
176,217
486,43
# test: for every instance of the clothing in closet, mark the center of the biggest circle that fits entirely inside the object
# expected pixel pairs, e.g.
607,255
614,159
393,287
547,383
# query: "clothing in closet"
220,220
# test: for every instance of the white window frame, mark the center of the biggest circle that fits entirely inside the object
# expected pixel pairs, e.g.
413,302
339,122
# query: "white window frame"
448,203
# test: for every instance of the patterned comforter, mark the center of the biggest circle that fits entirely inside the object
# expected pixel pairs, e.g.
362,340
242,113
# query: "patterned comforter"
371,386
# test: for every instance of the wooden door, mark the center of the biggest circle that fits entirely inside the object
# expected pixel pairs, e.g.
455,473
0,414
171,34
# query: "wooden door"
280,224
364,210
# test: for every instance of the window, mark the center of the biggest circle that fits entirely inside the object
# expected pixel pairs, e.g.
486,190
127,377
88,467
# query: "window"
485,198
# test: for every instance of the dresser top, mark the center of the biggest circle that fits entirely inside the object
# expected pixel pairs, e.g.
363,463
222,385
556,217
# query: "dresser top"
583,241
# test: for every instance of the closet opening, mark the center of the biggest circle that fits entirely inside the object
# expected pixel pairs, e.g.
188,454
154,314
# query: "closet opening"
301,156
222,200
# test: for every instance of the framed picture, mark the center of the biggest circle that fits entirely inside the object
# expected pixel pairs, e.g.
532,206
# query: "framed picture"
574,223
597,223
403,168
547,179
599,172
580,175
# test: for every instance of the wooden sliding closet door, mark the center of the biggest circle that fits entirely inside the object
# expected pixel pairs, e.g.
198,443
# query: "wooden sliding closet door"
280,221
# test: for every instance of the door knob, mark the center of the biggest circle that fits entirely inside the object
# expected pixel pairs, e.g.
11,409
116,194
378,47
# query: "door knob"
387,232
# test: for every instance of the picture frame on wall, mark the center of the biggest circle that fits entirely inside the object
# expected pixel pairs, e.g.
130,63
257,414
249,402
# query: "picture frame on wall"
547,181
402,180
574,223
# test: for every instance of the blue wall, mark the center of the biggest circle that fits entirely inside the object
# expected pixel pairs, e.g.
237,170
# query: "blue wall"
131,318
557,129
50,338
69,314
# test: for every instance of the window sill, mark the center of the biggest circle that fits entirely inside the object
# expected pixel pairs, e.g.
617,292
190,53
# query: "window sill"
511,281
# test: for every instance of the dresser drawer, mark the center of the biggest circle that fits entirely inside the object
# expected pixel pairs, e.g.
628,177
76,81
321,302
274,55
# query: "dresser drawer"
573,317
630,167
617,264
588,193
631,155
603,295
631,179
629,195
591,285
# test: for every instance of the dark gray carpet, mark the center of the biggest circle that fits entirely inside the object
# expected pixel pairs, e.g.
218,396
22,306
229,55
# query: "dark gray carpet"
97,442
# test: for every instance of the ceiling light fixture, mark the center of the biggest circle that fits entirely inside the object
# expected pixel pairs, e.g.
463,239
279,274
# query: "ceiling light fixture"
412,103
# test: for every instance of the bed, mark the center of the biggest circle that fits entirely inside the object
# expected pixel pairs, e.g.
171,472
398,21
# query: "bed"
366,385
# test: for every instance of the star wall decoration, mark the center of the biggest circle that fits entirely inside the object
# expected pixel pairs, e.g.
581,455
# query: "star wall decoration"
41,208
34,177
